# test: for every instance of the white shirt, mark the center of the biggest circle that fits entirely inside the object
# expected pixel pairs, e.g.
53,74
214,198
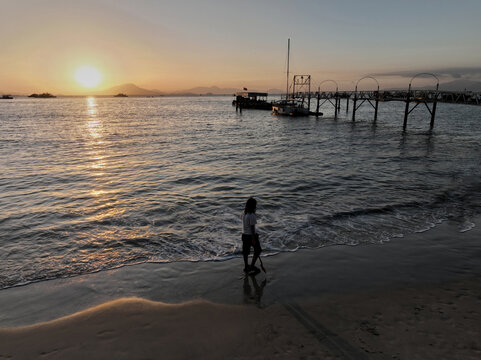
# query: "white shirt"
248,220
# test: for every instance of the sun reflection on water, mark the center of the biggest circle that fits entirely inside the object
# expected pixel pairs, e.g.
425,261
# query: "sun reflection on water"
105,199
106,208
94,125
95,131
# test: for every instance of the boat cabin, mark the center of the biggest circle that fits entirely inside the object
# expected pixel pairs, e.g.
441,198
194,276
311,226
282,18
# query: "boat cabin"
251,100
252,96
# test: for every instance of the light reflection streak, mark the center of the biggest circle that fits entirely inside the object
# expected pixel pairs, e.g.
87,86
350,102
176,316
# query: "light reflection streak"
94,125
106,208
105,199
95,130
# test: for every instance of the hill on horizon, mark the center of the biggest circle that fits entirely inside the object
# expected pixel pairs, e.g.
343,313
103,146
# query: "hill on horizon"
461,85
130,90
133,90
455,85
203,90
215,90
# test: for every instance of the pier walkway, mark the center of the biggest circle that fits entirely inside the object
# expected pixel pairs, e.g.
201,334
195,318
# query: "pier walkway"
411,97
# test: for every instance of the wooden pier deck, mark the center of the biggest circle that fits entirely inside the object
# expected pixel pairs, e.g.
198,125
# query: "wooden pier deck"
452,97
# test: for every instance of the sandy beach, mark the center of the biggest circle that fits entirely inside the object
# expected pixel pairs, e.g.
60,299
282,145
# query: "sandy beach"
412,298
147,146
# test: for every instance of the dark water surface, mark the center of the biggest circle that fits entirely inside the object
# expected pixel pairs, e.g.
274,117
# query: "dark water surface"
91,184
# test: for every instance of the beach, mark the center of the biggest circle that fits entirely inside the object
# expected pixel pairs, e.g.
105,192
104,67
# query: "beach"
412,298
136,138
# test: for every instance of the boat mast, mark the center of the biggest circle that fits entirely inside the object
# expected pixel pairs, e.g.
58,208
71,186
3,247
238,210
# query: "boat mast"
287,81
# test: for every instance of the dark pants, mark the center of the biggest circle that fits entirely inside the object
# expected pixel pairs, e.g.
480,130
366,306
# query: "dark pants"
247,243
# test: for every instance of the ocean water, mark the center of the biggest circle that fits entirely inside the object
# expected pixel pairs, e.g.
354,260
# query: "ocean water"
88,184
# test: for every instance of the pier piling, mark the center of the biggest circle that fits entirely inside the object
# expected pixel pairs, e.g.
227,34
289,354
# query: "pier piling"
328,96
421,97
354,107
433,115
406,109
318,102
365,96
336,106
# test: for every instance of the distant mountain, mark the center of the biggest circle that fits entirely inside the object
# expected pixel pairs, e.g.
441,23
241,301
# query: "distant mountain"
276,91
203,90
456,85
129,89
461,85
214,90
134,90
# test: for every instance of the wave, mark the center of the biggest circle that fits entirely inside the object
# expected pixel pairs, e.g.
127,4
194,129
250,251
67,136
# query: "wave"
140,187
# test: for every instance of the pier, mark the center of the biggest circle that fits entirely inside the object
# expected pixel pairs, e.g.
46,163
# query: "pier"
412,97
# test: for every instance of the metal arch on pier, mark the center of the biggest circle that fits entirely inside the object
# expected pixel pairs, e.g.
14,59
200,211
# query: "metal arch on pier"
327,96
368,77
421,97
366,96
324,81
430,74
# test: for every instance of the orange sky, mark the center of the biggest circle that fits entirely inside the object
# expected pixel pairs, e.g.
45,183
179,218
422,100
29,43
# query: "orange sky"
173,46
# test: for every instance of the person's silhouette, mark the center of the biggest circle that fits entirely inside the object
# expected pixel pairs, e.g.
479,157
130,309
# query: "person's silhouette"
250,237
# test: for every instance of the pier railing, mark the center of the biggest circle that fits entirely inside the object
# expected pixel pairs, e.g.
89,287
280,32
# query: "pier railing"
452,97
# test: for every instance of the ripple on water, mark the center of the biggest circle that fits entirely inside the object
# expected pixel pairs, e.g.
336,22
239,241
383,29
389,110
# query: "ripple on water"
98,184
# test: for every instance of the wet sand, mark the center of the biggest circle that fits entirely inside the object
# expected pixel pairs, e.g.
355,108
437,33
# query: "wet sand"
412,298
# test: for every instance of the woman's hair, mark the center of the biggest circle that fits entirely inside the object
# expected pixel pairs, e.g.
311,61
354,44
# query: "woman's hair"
250,206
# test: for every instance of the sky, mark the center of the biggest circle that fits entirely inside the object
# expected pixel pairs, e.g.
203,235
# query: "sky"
181,44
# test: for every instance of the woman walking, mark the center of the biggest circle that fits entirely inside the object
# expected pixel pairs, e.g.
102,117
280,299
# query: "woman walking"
250,237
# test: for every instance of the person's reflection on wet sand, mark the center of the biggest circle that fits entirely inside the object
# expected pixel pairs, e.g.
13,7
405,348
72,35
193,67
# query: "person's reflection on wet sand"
249,297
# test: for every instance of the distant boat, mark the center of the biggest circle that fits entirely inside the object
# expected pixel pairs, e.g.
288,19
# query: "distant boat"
42,96
290,106
7,97
120,95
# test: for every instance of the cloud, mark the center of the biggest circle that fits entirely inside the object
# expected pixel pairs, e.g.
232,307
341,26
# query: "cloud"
467,73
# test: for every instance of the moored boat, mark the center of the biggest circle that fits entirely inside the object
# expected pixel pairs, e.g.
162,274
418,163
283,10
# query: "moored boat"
290,107
252,100
293,105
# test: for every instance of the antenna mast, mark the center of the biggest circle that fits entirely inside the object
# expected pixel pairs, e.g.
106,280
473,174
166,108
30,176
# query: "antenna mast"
287,81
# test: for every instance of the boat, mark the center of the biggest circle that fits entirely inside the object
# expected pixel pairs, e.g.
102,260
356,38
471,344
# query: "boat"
42,96
7,97
290,107
294,104
252,100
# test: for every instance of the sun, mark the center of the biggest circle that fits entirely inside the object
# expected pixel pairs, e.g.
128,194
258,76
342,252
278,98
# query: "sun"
88,76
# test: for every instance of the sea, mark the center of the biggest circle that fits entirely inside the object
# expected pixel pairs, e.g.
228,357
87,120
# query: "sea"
90,184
